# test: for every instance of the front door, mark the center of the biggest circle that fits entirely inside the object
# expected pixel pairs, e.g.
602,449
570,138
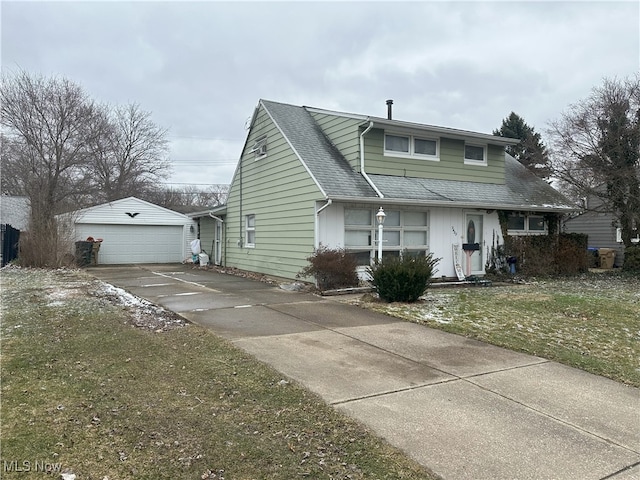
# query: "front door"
473,234
217,254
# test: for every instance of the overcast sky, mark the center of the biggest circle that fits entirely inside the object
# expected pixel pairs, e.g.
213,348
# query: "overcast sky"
201,67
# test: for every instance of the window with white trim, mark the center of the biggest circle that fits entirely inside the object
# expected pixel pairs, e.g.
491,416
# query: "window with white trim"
259,148
475,154
411,146
403,232
523,224
250,230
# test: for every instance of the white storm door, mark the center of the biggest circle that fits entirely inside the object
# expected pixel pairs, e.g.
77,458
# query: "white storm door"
473,234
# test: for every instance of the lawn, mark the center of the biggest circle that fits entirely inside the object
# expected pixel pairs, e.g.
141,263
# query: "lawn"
110,390
591,322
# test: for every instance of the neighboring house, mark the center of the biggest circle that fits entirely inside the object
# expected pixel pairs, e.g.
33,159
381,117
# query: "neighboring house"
601,227
14,211
14,218
135,231
309,177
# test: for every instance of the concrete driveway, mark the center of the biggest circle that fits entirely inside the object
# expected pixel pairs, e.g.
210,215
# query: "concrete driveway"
462,408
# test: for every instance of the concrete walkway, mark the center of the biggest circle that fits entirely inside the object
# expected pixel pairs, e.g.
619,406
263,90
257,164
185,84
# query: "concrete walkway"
462,408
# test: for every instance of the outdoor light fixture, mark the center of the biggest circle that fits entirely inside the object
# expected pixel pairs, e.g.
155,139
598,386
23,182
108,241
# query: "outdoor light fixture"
380,217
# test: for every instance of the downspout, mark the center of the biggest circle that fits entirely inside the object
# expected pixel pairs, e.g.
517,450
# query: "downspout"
364,174
240,220
317,239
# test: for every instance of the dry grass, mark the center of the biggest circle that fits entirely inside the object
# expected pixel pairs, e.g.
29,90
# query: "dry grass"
102,390
591,322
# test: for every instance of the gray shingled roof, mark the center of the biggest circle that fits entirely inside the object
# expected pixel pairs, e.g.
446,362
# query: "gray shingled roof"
522,190
330,169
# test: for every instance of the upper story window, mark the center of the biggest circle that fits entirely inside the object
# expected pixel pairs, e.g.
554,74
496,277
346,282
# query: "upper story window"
411,146
519,224
259,148
475,154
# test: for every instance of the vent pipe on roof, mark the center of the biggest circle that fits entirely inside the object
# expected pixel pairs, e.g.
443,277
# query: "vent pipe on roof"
389,103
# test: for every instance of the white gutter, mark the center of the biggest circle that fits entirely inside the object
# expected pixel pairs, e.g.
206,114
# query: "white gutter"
364,174
443,131
215,218
461,204
317,233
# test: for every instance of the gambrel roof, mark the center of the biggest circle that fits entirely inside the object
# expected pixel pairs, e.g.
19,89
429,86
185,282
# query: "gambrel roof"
334,176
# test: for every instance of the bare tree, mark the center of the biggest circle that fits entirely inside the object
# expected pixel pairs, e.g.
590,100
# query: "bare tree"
597,147
132,157
64,151
47,125
189,197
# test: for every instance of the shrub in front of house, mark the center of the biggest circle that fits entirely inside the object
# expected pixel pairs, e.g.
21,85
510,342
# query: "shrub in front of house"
548,255
632,259
571,254
403,279
331,268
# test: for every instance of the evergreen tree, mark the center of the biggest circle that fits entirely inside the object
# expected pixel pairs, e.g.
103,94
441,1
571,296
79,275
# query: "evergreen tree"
531,151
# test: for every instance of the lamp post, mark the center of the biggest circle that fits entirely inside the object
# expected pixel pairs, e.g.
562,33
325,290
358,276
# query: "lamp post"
380,217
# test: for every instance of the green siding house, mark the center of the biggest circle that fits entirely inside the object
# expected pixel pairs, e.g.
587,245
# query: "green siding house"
309,177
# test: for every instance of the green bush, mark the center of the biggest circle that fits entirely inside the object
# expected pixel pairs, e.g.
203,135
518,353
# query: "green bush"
403,279
332,268
632,259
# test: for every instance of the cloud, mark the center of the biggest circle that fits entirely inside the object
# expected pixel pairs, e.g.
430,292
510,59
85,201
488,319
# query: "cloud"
201,67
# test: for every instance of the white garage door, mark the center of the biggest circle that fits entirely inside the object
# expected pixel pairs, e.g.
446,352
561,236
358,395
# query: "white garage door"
135,243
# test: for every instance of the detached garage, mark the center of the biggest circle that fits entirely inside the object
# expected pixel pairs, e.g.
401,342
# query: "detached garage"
135,231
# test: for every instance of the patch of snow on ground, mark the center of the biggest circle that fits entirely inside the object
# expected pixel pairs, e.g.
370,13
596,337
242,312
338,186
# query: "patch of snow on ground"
57,295
145,314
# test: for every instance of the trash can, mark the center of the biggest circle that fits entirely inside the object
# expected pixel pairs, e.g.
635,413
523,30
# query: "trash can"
95,248
204,259
83,253
607,257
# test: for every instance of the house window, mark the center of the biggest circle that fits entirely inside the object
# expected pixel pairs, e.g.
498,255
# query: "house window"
411,146
250,229
358,233
475,154
423,146
521,224
395,143
536,223
515,222
403,232
259,148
